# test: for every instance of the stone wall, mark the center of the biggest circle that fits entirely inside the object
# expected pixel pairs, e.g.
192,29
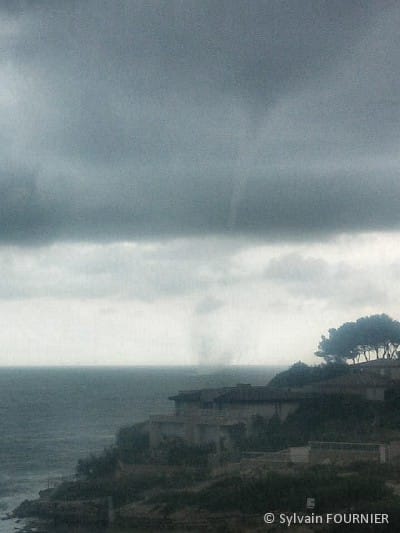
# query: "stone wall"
344,453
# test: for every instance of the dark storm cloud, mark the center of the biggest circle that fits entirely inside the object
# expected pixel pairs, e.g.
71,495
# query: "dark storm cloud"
125,120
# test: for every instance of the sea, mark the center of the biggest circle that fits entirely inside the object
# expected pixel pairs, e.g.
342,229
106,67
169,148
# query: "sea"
52,417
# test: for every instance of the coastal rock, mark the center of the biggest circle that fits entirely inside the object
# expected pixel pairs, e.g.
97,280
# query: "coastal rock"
80,511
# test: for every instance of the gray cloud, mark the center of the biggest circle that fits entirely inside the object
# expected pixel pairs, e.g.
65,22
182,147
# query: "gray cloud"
341,283
118,271
149,119
208,305
295,268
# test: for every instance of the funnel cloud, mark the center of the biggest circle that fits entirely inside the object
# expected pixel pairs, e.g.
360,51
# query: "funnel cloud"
222,177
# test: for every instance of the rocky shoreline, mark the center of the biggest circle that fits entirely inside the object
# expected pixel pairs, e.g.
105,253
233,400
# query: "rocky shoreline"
48,515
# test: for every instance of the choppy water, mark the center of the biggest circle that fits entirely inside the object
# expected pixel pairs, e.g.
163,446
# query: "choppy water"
51,417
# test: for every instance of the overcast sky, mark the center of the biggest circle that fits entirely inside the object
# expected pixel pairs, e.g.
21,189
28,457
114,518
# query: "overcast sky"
195,181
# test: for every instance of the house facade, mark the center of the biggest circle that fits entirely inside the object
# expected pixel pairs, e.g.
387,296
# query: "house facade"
196,430
213,415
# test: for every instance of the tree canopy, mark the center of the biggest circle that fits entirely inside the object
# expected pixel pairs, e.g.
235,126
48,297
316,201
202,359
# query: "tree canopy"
375,336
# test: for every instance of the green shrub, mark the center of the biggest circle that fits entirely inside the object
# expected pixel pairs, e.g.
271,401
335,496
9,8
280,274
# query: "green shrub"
179,453
97,466
282,492
132,443
300,374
